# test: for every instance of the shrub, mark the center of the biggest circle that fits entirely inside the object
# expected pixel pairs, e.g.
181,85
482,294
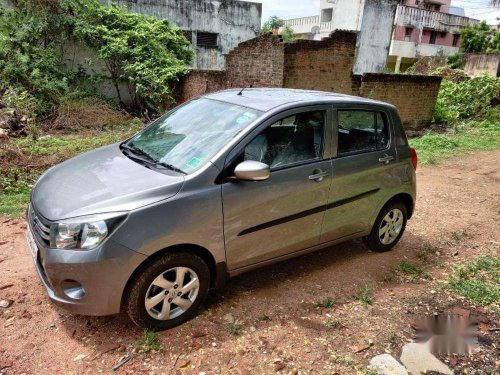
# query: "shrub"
466,99
148,54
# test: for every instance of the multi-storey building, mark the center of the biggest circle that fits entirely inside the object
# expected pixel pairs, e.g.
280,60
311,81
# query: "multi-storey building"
421,27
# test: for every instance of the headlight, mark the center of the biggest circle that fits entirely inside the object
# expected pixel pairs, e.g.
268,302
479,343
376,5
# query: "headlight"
83,233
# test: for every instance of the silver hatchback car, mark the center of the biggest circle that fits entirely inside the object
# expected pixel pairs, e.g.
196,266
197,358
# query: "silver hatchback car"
221,185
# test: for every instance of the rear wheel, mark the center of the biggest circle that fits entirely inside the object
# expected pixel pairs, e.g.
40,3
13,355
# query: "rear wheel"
168,292
388,228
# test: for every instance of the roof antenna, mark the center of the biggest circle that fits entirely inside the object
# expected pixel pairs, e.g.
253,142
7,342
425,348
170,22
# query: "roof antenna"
241,92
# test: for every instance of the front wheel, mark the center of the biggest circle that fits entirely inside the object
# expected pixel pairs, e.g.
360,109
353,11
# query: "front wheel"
168,292
388,228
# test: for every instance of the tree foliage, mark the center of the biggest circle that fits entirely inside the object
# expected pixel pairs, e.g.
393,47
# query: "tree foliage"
273,24
288,34
480,38
149,55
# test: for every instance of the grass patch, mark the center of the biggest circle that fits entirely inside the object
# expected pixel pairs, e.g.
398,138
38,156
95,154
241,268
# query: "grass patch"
148,342
413,271
263,318
335,324
409,269
233,329
479,282
365,295
16,180
423,256
327,303
467,136
14,205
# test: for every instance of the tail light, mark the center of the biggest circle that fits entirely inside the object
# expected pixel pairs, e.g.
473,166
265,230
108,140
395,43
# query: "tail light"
414,158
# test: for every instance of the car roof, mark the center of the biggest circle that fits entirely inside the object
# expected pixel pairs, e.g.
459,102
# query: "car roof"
266,99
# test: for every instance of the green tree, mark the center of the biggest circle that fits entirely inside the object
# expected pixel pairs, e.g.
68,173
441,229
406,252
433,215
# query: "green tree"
273,24
288,34
479,38
147,54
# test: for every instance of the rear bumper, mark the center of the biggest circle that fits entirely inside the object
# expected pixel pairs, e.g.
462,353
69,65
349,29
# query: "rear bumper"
101,275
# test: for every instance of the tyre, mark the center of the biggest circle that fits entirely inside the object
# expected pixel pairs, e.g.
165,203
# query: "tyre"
168,292
388,228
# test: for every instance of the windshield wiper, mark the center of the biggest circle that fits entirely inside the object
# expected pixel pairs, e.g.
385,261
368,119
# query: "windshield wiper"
170,166
149,159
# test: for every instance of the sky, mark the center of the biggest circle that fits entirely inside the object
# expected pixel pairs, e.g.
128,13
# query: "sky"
479,9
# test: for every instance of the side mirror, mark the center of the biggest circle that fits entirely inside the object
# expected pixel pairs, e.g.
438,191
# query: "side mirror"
252,171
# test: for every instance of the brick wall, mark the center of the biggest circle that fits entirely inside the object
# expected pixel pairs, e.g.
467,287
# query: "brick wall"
321,65
318,65
200,82
414,96
256,63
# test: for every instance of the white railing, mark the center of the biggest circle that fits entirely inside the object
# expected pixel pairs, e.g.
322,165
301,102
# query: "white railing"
312,20
421,18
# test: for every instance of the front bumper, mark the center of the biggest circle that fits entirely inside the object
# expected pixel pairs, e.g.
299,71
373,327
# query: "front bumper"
102,273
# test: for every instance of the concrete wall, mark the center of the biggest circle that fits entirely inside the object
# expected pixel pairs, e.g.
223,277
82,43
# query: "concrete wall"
414,95
374,39
476,64
320,65
324,65
234,21
77,57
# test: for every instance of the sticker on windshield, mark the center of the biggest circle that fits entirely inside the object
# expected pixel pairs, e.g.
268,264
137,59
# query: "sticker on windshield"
194,162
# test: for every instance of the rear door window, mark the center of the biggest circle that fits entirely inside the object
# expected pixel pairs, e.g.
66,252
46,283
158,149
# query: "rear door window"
361,131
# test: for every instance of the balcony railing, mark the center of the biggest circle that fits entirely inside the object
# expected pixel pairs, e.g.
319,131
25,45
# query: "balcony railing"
312,20
309,25
415,17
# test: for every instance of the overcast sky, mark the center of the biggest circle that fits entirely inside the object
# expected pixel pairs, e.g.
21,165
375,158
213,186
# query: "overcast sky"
479,9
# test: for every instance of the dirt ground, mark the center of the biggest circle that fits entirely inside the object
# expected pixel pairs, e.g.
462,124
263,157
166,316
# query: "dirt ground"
281,327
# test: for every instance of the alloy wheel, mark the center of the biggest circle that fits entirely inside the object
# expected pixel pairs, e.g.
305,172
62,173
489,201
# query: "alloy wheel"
391,226
172,293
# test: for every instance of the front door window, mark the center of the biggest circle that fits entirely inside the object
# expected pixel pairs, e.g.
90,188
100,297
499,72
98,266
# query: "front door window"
292,140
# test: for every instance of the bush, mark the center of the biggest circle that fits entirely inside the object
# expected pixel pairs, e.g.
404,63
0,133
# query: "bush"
466,99
147,54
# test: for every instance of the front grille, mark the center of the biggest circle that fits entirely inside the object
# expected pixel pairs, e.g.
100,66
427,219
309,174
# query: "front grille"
40,228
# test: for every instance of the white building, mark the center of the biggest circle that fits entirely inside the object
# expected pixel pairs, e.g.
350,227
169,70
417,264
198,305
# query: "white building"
334,15
421,28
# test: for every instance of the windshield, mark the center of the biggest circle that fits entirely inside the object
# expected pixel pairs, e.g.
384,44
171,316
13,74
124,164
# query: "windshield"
187,138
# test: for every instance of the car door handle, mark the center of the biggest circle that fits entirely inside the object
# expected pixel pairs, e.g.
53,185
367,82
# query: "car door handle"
386,159
318,176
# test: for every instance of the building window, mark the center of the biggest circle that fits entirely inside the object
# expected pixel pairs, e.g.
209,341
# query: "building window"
433,37
408,32
456,39
327,15
208,40
443,34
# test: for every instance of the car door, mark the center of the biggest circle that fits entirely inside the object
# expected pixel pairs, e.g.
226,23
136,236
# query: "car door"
268,219
363,170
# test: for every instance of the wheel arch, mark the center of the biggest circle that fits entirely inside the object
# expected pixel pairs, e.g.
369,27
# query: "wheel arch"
218,271
406,199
